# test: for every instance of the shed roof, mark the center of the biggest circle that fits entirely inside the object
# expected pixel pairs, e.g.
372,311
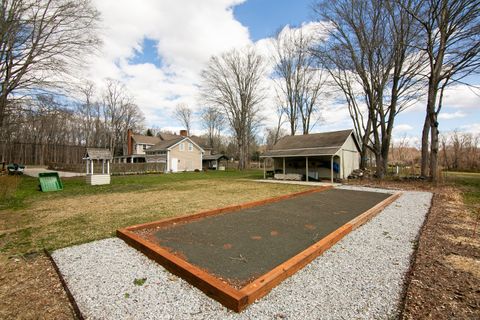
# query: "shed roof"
214,157
316,144
98,154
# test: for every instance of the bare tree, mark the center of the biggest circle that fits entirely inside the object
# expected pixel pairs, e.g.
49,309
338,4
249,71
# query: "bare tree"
450,31
120,113
370,57
213,121
88,111
299,80
183,113
275,133
460,151
272,135
233,82
40,41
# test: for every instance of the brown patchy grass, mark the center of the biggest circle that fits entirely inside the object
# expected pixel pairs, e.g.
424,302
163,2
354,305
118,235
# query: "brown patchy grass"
29,286
56,223
465,264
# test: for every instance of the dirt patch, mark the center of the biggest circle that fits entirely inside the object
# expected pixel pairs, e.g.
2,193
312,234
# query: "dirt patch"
475,242
31,289
464,264
444,281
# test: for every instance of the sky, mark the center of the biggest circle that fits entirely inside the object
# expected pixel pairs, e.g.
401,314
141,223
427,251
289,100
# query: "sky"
158,49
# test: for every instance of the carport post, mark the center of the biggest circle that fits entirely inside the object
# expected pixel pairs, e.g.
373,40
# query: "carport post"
91,166
331,169
264,172
284,168
88,162
306,168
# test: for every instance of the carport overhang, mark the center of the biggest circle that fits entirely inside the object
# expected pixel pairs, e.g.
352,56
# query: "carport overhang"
329,152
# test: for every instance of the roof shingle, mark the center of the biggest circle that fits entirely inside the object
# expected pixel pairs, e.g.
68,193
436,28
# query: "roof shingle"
325,143
98,154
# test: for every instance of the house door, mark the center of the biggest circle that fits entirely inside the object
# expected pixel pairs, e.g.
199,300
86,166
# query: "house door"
174,167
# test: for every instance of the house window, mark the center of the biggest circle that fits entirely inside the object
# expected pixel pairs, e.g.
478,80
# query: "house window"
144,146
182,147
190,146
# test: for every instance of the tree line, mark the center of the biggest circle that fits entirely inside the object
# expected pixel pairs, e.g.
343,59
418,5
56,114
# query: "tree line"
381,57
377,57
94,119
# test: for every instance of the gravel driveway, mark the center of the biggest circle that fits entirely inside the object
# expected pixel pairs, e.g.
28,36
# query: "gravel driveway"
33,172
361,277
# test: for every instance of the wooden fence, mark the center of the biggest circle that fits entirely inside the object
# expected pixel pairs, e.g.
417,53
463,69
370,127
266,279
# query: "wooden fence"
40,154
115,168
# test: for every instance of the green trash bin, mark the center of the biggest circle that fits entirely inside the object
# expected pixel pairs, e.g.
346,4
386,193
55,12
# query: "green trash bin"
50,181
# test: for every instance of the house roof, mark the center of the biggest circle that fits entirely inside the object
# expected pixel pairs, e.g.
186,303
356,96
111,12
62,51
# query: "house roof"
98,154
164,145
316,144
167,136
145,139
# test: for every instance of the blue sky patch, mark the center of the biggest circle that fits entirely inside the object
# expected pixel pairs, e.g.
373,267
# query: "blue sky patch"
149,54
265,17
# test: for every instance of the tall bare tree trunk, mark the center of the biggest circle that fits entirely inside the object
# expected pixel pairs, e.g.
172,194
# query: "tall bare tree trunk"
434,151
425,153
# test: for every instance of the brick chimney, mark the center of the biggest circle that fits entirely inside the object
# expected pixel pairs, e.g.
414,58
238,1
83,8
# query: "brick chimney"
129,142
184,133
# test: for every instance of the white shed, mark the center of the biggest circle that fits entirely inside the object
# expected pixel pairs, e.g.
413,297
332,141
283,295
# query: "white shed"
331,155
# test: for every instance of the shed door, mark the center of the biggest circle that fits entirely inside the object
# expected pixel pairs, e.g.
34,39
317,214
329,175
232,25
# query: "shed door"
174,167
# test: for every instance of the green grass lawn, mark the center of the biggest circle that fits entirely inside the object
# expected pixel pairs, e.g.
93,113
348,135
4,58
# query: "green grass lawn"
469,183
26,188
31,220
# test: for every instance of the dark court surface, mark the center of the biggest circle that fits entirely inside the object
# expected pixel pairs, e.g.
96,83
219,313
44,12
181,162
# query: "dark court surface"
241,246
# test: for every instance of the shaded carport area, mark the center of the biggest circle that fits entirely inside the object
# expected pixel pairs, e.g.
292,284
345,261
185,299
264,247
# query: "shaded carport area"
313,164
212,161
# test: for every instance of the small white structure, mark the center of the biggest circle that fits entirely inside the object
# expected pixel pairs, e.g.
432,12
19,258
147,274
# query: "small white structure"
98,154
315,156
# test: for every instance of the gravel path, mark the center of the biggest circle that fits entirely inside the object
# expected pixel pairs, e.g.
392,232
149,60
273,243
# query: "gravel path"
33,172
361,277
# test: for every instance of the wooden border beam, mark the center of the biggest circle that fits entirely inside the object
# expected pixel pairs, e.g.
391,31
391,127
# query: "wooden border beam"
230,297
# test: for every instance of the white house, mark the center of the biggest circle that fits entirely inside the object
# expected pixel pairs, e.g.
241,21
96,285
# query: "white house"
179,154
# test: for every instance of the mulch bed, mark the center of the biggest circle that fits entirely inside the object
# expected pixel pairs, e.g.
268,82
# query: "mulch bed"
30,289
444,281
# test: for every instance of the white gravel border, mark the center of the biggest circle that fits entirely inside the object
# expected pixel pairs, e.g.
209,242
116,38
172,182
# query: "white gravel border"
361,277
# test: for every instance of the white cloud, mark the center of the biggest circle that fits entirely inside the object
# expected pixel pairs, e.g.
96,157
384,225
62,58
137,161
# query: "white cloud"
473,128
402,128
462,97
452,115
407,140
186,34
